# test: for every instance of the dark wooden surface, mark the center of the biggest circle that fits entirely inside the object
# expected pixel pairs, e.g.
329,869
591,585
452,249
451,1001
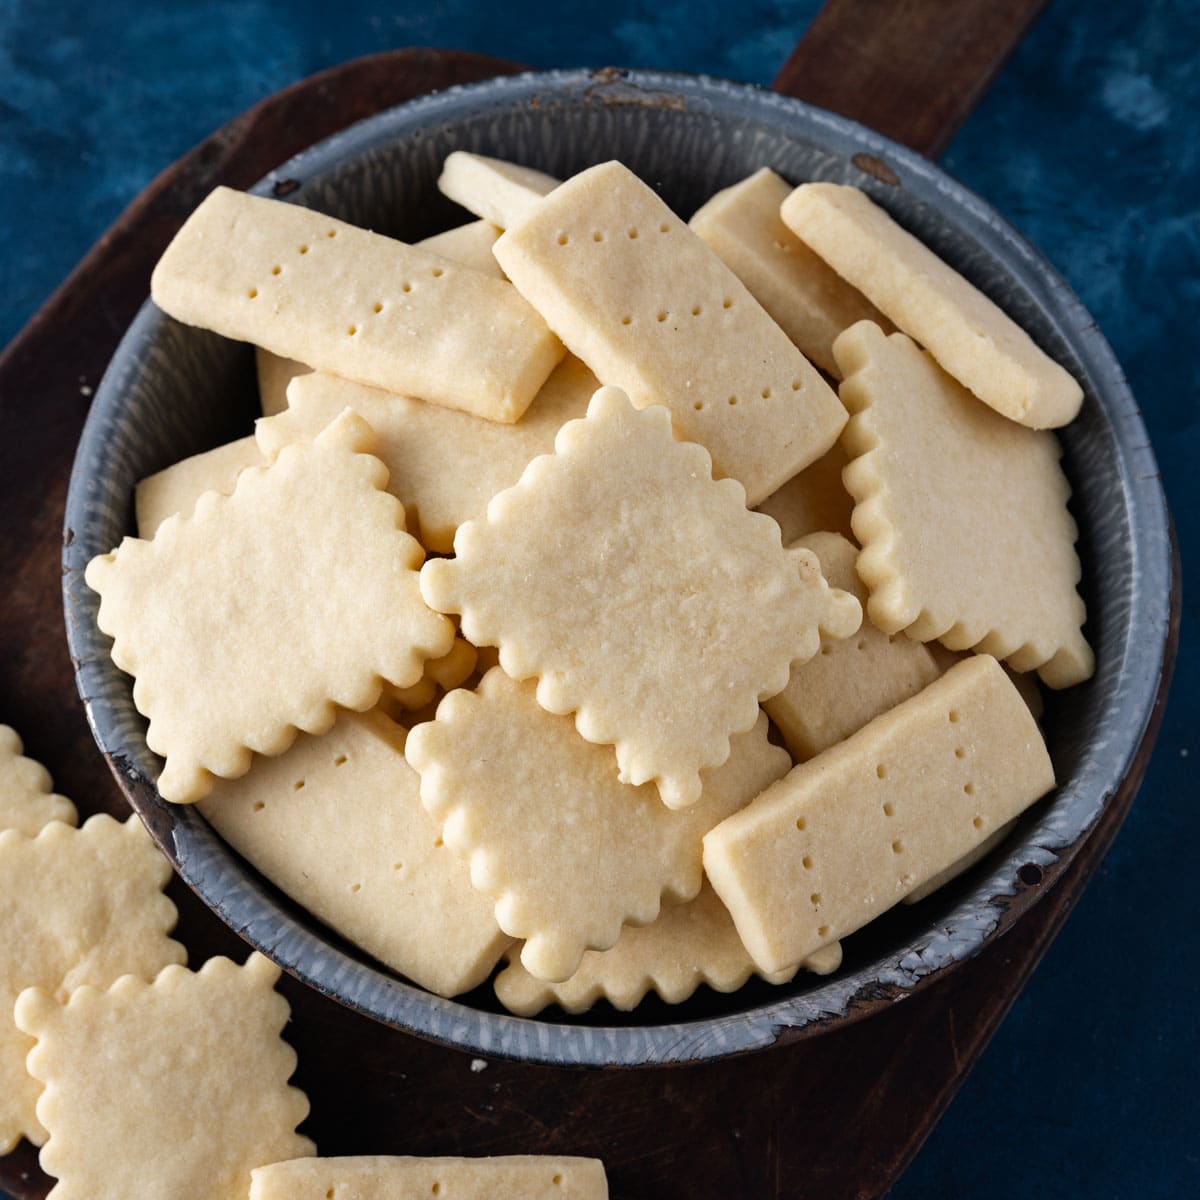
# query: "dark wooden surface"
831,1116
912,69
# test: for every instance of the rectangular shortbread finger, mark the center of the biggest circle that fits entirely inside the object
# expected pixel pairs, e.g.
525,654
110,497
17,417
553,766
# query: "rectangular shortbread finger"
815,501
337,823
354,303
971,337
852,679
845,836
652,310
500,192
529,1177
811,302
468,245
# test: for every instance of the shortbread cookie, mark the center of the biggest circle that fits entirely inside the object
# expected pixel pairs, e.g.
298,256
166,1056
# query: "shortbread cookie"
274,375
815,501
1025,682
961,514
170,1090
468,245
644,596
441,675
337,824
809,301
500,192
567,852
846,835
176,489
849,682
689,944
359,305
970,336
651,309
259,613
517,1177
26,801
955,869
444,466
76,906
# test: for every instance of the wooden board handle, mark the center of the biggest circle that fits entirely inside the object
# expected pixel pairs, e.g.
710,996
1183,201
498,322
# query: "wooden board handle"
912,69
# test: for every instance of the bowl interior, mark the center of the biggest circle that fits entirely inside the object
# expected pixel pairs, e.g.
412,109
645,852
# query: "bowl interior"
173,391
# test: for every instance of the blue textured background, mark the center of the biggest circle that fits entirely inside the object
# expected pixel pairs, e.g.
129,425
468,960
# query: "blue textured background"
1089,142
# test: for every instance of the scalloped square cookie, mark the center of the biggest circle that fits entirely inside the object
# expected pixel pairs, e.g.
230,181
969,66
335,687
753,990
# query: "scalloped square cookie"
170,1090
256,615
689,944
337,824
643,595
961,514
76,906
969,335
850,681
444,466
26,801
846,835
308,287
519,1177
567,852
810,301
635,294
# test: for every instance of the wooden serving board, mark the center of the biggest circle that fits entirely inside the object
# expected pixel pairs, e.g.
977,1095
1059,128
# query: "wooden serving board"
829,1116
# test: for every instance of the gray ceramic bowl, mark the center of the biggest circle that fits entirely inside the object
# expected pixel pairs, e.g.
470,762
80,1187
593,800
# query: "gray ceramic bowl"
172,391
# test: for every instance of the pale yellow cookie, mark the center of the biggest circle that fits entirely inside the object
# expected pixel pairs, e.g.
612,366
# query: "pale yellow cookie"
274,375
956,868
689,944
468,245
643,595
961,514
567,852
443,465
337,824
500,192
396,702
76,906
970,336
515,1177
849,682
814,501
176,489
850,833
651,309
171,1090
809,301
26,801
356,304
260,612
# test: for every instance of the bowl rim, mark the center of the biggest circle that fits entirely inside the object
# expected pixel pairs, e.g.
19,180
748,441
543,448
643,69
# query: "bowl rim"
252,907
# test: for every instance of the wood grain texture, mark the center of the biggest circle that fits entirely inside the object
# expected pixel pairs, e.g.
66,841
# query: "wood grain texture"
838,1115
913,69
